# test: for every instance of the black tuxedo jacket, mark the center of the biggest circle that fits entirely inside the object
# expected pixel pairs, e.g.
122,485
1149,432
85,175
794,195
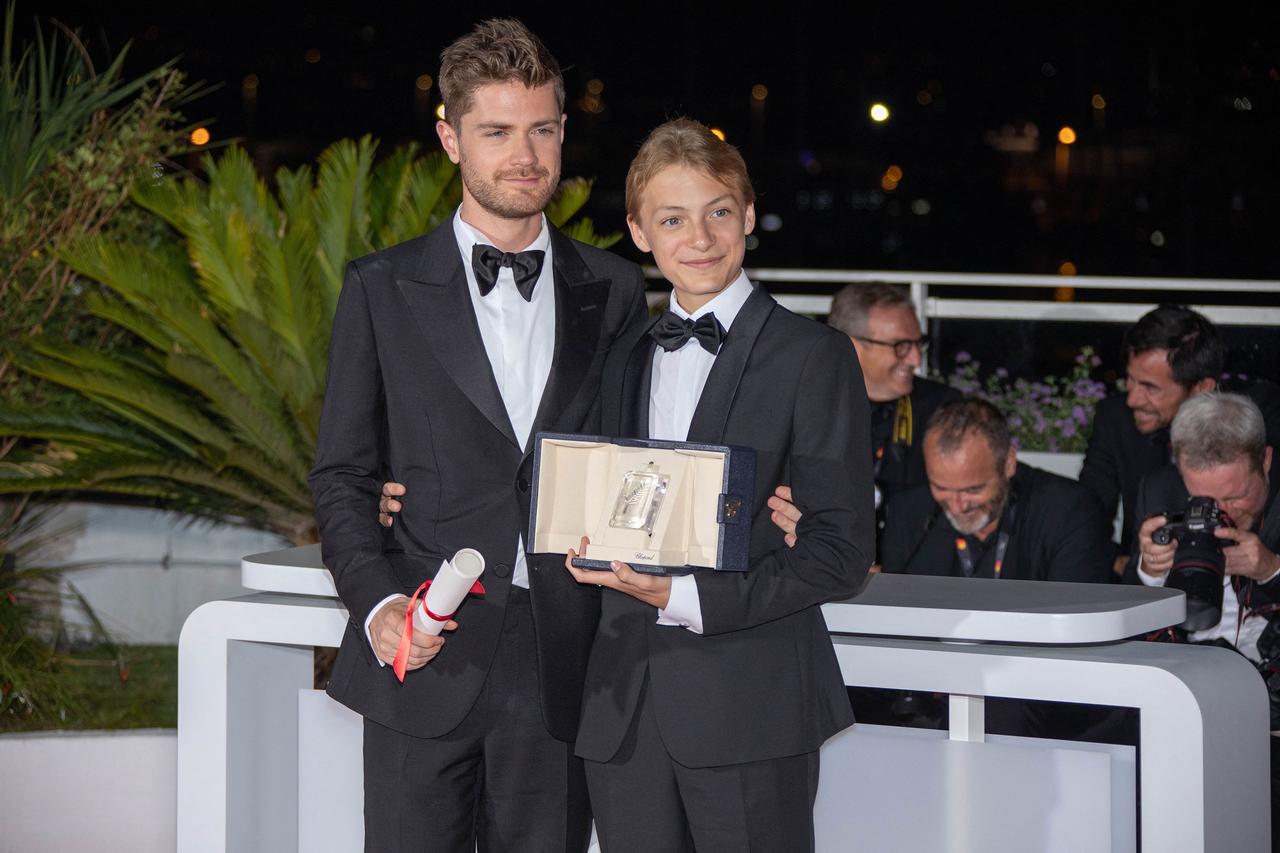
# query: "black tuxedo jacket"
763,681
411,397
1059,533
1119,456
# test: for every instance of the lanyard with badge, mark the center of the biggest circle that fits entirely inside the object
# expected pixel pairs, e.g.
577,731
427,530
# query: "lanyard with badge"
901,433
965,554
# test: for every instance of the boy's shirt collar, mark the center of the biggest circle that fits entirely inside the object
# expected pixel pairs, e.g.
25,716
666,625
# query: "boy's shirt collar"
725,305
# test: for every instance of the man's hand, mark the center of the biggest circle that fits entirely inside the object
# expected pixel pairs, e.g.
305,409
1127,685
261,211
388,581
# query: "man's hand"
784,515
1246,555
1156,559
386,627
653,590
388,506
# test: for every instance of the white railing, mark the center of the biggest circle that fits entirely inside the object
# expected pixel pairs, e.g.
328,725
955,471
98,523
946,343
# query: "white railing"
1193,290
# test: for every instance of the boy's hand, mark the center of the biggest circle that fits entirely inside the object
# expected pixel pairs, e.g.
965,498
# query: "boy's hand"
785,514
653,590
388,506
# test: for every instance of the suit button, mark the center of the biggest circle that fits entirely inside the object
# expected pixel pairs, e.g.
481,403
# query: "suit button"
502,570
522,484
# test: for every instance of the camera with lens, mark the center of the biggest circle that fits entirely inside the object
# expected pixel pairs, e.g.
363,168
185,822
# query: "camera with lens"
1198,562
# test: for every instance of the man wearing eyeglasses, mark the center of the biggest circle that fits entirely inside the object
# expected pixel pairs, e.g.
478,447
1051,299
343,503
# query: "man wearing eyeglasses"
881,321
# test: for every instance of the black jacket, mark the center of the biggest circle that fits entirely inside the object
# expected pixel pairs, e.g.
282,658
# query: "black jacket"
902,464
411,397
1059,534
1119,456
762,681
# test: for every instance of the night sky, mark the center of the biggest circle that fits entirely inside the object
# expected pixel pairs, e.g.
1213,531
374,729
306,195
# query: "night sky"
1174,174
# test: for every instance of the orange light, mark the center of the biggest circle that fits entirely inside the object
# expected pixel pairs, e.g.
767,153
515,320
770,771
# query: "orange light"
894,173
1064,294
759,92
1066,268
1099,102
1067,136
312,56
423,83
887,183
200,136
718,133
250,84
595,87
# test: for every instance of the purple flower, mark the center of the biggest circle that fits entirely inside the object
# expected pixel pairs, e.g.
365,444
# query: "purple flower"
1015,421
963,357
1068,428
1079,414
1002,373
1094,361
1040,425
1016,442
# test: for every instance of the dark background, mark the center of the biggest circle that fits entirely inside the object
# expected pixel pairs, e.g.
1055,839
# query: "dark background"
1176,176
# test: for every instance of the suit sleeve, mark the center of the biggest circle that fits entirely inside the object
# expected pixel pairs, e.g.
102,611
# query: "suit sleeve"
909,519
350,456
1101,471
830,467
1079,547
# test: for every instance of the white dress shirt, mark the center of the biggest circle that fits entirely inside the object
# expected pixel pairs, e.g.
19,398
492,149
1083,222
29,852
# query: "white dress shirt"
519,338
1243,636
674,391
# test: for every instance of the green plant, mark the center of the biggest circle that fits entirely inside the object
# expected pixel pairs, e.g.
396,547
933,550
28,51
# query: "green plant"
1054,414
213,407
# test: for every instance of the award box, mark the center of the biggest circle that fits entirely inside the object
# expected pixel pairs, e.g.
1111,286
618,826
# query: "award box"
663,507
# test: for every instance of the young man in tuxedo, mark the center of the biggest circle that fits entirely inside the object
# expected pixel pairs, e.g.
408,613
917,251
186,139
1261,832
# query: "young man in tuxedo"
449,352
709,695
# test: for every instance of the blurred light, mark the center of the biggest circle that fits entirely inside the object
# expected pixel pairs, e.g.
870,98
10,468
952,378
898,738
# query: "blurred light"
894,172
921,207
1243,105
879,113
1048,70
1157,238
887,183
759,92
591,104
1099,102
1067,136
717,133
312,55
440,112
1064,294
423,83
595,87
249,85
770,222
923,98
200,136
1030,130
753,242
1066,268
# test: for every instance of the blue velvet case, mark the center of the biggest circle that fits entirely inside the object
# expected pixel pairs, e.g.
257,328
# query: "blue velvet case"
575,479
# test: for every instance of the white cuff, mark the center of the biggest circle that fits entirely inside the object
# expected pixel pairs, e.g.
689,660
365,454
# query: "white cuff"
684,608
373,613
1150,580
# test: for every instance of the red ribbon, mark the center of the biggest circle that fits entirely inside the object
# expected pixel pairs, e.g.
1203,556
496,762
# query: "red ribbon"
401,661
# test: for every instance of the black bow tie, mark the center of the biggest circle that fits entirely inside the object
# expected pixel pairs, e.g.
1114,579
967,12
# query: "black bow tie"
672,332
486,260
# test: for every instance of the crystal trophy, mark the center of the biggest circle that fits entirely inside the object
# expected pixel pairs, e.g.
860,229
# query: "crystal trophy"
639,499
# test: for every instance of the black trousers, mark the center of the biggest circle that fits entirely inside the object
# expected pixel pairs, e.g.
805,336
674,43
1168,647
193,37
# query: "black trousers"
499,780
645,801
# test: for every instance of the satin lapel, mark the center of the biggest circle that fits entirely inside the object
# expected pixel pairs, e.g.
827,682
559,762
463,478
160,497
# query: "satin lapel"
580,303
636,383
722,384
438,298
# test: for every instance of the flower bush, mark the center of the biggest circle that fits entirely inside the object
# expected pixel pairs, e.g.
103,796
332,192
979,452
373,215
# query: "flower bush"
1053,414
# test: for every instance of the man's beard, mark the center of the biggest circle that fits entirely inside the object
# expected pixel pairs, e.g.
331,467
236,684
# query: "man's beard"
979,517
513,204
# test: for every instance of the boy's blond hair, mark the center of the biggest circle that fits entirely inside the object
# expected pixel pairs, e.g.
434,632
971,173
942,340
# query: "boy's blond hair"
683,141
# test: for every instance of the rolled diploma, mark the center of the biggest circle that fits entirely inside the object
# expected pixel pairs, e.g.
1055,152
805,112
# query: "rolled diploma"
451,584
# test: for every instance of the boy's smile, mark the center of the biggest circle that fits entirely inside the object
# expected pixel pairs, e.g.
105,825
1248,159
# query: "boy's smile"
696,227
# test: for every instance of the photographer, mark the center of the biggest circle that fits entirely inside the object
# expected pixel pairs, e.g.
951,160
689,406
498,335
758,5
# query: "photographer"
1220,449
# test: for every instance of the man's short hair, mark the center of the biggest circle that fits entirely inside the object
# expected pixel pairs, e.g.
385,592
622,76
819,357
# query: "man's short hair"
955,420
1218,429
685,142
851,306
499,50
1196,350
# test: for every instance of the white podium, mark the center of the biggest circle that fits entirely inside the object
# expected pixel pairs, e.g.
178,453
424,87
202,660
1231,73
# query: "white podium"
252,733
